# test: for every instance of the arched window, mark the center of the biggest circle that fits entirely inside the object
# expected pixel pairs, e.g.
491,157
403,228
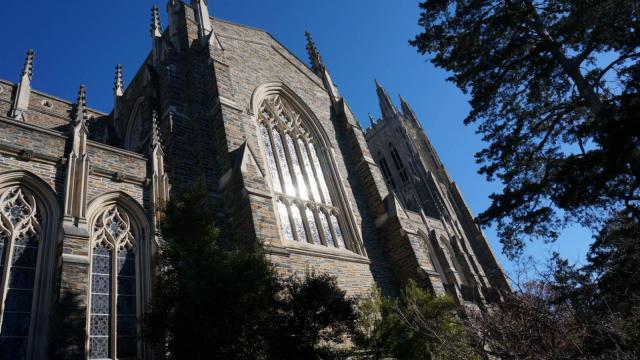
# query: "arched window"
113,294
308,211
20,246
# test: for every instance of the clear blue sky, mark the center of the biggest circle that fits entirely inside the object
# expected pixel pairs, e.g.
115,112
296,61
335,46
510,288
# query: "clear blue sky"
80,42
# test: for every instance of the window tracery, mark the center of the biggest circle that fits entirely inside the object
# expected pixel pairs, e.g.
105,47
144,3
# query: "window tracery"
305,208
112,320
20,238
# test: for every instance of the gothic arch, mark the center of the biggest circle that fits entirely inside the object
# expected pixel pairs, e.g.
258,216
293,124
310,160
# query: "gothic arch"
45,226
135,124
302,166
120,276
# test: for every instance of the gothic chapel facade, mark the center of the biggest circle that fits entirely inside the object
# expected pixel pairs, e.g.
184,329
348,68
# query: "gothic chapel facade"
283,158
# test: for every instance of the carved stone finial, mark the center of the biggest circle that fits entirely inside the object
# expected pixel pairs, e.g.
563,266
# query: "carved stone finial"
80,119
155,129
317,66
21,101
156,27
205,29
28,64
117,82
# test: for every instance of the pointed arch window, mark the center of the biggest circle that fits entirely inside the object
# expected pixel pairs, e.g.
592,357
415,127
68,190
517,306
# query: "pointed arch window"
306,208
113,306
20,244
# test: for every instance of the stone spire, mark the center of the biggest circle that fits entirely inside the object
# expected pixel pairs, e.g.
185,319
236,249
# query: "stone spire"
156,27
117,82
387,107
21,101
80,118
318,67
205,30
118,91
75,203
156,36
407,111
159,178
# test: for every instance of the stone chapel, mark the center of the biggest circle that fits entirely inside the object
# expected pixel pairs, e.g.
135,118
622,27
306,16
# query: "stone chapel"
281,154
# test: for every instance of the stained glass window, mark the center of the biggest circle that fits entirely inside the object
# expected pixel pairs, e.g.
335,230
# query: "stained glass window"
113,260
327,230
284,220
315,234
301,186
297,220
303,199
321,179
19,245
337,231
288,181
309,169
271,160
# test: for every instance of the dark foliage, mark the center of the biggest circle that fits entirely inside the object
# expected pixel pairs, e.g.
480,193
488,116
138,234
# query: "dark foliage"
555,91
417,325
214,303
314,316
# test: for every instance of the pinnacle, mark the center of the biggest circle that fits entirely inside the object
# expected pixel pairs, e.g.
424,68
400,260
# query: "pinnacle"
81,106
155,131
314,55
117,83
28,64
156,27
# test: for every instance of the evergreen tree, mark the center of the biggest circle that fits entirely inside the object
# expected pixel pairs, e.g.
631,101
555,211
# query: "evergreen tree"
555,91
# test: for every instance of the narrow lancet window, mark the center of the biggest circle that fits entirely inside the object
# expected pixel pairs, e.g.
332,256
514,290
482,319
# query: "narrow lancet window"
113,311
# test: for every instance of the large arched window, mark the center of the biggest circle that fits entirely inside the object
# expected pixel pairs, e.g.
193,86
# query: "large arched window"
306,198
114,308
29,220
20,243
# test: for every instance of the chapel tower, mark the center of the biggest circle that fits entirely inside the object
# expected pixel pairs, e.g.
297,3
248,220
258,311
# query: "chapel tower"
414,173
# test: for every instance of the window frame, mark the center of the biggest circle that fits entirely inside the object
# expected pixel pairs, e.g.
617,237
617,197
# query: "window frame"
310,132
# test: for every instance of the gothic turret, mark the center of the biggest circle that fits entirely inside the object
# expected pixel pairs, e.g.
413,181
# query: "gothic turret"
21,101
387,107
317,66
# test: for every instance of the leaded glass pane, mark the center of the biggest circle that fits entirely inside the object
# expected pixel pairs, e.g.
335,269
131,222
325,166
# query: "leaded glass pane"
302,187
321,179
100,320
315,191
284,221
297,220
126,305
286,175
315,234
337,231
16,317
327,230
271,161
